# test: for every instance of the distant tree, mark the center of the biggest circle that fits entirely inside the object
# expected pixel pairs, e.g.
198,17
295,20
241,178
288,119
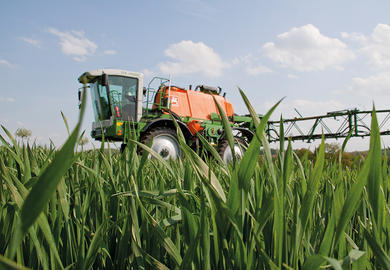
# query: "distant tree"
332,151
23,133
348,159
332,148
305,153
83,141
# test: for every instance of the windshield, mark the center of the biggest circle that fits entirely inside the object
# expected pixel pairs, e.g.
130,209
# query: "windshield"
122,98
100,102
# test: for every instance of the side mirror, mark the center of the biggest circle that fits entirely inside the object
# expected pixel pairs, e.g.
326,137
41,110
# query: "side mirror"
80,95
144,91
104,79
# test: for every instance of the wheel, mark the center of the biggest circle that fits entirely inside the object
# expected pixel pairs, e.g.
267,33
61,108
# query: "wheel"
165,142
226,153
123,147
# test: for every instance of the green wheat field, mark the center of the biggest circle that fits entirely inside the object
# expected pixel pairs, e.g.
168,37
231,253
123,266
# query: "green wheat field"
100,209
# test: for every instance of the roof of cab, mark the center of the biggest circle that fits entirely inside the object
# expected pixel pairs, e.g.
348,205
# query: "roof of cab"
89,76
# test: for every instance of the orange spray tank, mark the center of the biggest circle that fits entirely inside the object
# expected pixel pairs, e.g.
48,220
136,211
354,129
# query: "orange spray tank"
197,105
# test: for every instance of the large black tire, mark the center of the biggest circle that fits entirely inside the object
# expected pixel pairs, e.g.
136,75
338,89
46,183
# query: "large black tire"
225,151
123,147
165,142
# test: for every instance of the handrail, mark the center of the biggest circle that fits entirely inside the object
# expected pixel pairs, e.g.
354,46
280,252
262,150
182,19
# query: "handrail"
151,92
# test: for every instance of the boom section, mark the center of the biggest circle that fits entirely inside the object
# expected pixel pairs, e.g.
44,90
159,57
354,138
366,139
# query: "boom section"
332,125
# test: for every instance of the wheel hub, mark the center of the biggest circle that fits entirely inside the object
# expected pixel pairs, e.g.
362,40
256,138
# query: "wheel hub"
228,155
166,146
164,153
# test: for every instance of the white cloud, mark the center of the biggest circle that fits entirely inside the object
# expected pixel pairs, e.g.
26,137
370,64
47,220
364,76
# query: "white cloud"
75,43
306,49
148,73
192,57
357,37
33,42
257,70
5,63
376,85
292,76
110,52
377,48
252,65
7,99
247,59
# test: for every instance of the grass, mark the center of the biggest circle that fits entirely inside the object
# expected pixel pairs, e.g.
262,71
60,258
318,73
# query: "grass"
101,209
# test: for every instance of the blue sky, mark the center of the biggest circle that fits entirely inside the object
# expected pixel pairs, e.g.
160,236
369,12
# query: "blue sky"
321,55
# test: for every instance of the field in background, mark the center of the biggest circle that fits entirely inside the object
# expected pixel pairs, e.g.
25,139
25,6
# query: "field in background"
102,209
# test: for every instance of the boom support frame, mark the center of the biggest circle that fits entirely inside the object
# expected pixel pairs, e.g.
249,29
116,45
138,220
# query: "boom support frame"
343,123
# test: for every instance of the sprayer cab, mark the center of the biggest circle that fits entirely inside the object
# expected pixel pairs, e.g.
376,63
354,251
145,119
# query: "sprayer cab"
115,93
116,96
